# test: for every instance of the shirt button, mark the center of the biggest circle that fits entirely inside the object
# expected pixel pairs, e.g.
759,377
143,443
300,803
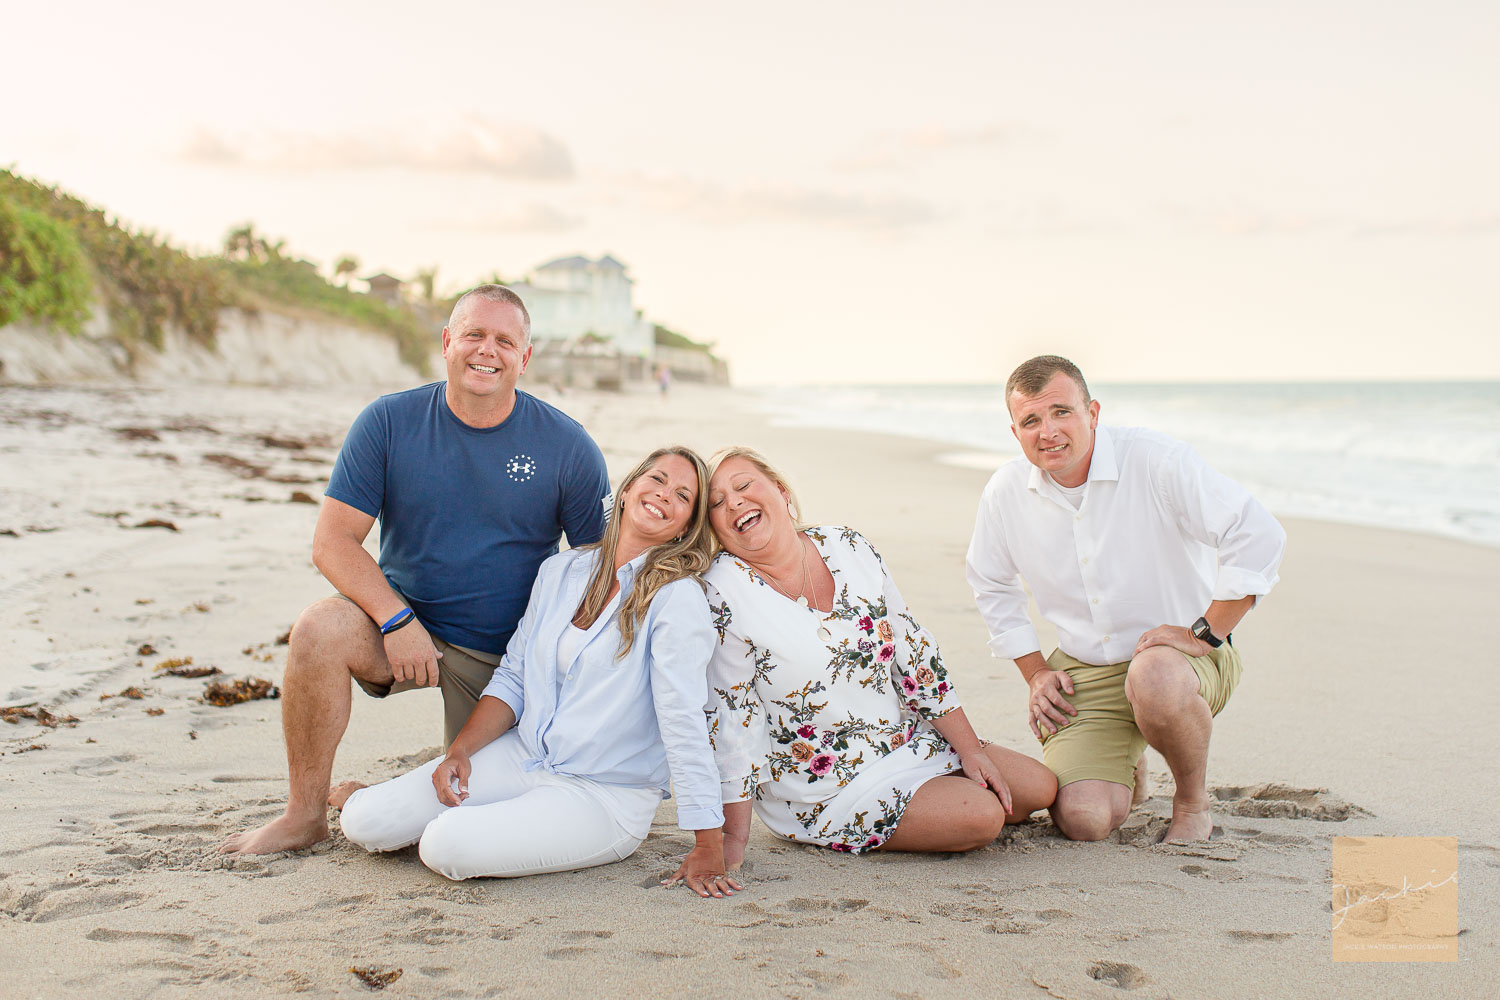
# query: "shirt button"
1085,560
1096,600
1106,638
1078,517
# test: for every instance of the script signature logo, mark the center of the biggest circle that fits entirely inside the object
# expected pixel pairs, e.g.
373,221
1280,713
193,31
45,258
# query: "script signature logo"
1342,912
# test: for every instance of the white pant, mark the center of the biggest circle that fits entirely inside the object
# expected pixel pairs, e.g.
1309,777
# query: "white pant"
514,822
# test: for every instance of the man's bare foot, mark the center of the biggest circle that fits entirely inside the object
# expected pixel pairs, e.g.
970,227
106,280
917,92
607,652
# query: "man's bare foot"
284,833
339,794
1142,790
1190,821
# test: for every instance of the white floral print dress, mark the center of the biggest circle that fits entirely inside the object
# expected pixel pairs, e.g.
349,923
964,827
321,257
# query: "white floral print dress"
822,718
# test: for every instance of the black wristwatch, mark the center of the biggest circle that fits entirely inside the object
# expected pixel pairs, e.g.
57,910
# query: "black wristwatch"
1202,631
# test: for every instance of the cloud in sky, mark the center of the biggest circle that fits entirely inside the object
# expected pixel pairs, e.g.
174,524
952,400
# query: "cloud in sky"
1253,221
531,217
1477,224
894,149
752,203
468,145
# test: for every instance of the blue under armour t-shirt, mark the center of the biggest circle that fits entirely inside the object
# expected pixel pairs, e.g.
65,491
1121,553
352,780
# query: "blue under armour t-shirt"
468,514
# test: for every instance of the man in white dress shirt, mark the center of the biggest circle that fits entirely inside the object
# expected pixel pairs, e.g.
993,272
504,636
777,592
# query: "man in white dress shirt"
1145,560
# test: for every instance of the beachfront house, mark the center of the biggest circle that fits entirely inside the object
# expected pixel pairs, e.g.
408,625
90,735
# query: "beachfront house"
572,297
584,323
386,288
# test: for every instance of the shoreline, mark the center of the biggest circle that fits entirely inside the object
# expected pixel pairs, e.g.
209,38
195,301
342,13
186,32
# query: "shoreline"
109,842
1313,451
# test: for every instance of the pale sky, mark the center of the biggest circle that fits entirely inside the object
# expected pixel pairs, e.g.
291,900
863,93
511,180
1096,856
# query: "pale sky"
863,192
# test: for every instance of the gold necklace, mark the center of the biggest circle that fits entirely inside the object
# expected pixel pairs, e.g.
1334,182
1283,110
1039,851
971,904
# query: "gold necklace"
801,597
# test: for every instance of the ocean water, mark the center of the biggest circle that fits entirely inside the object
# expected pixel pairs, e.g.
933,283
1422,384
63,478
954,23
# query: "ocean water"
1418,456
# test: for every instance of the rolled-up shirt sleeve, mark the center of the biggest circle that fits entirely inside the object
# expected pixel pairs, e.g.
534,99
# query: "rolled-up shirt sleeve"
681,639
997,583
736,719
1217,511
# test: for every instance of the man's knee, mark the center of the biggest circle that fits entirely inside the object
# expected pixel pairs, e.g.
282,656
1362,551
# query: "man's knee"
1082,816
1160,676
330,625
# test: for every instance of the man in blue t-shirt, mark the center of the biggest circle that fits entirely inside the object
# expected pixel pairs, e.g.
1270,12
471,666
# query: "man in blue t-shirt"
474,484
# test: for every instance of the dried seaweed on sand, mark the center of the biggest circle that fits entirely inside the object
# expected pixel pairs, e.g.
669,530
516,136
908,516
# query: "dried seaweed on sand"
15,713
182,666
130,692
375,978
192,672
226,693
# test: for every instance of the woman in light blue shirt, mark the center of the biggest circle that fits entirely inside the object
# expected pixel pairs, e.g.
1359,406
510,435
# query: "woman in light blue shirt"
597,703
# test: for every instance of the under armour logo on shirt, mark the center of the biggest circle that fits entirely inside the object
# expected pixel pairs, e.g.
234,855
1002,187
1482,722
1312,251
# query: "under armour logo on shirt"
521,468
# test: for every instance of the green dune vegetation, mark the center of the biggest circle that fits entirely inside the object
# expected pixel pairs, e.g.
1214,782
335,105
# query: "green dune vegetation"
60,258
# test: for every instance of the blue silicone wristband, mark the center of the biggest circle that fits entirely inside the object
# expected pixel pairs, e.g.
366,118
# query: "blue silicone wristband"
399,618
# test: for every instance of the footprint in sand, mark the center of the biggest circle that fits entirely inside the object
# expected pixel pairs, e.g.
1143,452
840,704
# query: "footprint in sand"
1271,937
57,903
1041,918
102,767
665,956
801,905
1120,975
1277,801
158,939
1274,839
965,912
1141,830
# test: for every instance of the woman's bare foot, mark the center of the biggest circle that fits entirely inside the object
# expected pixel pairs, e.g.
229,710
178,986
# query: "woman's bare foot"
339,794
1142,790
285,833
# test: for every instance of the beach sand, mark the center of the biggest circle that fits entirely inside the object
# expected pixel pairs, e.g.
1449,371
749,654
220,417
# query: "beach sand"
1365,710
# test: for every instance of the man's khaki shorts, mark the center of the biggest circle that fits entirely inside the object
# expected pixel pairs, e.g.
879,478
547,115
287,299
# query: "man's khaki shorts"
462,676
1102,740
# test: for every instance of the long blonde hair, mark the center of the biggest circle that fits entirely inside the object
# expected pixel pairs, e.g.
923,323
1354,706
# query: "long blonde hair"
758,460
685,556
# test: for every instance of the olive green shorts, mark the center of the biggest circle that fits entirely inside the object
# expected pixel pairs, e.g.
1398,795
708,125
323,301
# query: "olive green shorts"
1102,740
463,674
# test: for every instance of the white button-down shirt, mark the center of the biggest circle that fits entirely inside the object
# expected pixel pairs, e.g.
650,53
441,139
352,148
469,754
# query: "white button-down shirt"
1159,536
634,721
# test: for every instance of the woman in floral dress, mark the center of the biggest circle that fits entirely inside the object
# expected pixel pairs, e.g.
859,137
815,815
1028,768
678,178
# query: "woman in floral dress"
830,706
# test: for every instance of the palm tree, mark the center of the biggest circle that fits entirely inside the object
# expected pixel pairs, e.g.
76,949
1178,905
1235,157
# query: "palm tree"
241,242
426,278
345,267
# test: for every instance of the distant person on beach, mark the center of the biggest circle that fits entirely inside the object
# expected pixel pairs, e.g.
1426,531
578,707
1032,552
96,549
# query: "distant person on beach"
1145,560
831,707
474,483
664,380
596,704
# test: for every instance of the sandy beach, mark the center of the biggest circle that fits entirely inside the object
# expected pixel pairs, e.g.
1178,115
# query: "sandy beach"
1366,708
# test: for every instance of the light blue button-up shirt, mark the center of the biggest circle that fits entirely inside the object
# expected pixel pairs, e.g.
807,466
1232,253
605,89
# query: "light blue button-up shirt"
636,721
